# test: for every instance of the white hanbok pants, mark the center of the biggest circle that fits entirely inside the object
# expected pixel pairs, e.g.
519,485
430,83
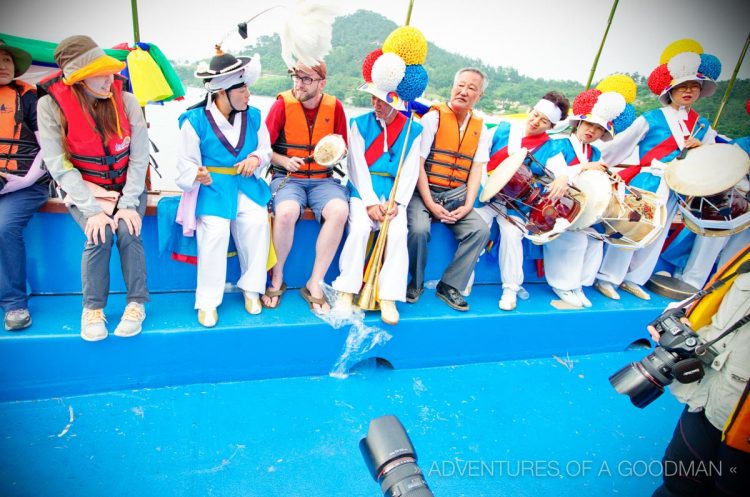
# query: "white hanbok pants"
395,269
706,251
572,260
252,234
510,252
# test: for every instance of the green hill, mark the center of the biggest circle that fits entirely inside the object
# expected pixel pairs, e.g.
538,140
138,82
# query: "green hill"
356,35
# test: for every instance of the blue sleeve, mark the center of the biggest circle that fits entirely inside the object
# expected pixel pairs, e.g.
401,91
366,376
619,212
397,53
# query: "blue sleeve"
28,103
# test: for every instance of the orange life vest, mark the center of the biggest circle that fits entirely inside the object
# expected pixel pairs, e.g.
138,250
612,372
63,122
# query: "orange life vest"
451,155
18,145
106,167
300,138
737,429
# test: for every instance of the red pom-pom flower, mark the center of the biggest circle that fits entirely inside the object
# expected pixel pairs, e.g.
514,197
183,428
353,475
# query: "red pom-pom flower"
659,79
585,101
747,106
368,62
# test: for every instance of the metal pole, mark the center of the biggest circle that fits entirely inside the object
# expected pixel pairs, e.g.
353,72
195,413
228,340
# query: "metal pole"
136,29
408,12
601,46
725,99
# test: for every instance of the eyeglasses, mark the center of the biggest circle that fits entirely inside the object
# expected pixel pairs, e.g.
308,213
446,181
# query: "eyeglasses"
306,80
687,88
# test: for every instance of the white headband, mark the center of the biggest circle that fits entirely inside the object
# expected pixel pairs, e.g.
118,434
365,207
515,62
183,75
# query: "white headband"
550,110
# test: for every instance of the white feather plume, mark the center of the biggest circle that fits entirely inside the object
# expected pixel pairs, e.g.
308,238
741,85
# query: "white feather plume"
684,64
388,71
306,36
609,105
253,70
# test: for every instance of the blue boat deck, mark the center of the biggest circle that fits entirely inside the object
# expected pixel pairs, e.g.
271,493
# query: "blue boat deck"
523,428
50,359
497,403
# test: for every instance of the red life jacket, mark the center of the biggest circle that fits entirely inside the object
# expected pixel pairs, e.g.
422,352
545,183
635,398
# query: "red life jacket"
18,145
451,156
300,138
106,167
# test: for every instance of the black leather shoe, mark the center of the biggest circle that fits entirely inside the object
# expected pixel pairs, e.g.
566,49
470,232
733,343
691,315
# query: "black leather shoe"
451,296
413,294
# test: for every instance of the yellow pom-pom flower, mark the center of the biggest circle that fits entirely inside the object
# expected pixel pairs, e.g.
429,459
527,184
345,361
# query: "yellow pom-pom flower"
619,83
679,46
408,43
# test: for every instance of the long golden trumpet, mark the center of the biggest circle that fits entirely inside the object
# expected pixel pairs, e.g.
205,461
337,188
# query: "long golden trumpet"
369,299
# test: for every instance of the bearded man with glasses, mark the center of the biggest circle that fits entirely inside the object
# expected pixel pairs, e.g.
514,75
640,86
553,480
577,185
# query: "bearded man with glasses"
298,119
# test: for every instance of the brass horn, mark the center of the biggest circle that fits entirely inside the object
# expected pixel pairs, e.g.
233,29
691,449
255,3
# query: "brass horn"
369,300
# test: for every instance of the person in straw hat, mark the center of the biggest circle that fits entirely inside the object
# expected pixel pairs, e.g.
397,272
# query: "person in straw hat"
223,147
572,260
95,145
296,122
376,142
23,182
685,75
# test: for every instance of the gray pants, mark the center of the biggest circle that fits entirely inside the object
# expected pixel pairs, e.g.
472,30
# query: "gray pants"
95,263
471,232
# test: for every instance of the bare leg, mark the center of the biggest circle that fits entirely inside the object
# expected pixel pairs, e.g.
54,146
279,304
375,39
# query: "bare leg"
335,214
286,216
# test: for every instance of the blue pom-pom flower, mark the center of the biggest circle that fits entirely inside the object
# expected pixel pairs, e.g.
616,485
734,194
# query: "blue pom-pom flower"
625,119
710,66
414,82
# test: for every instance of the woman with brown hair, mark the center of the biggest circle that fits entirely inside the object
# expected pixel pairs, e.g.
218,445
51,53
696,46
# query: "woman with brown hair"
95,145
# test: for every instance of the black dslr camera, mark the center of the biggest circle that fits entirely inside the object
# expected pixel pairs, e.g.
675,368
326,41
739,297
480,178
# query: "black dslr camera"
392,460
680,355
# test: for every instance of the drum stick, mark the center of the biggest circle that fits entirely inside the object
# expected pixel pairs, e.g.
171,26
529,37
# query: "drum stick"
684,152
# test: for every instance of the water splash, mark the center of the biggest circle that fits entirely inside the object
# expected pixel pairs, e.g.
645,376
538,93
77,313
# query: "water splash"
361,338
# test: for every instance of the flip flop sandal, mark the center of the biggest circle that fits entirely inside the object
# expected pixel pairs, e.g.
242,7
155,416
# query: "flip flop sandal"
274,293
312,300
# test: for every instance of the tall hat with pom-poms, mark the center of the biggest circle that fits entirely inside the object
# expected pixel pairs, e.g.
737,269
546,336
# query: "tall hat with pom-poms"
684,60
395,73
609,105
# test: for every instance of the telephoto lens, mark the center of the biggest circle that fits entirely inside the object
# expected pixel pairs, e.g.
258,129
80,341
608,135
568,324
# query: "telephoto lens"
392,460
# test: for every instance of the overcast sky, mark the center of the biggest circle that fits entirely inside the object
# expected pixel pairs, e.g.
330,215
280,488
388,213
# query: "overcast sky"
555,39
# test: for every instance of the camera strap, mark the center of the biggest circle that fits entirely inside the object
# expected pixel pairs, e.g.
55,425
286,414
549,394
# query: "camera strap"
739,324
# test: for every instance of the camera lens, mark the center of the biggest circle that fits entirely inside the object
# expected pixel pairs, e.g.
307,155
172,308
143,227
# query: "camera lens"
644,381
392,460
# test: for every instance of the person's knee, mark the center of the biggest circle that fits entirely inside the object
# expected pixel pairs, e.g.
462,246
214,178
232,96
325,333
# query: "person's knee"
336,211
286,215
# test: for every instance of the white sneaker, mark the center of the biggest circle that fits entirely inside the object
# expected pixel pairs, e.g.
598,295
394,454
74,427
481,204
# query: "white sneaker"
252,302
388,312
582,297
635,289
132,319
93,327
208,317
607,289
568,296
508,301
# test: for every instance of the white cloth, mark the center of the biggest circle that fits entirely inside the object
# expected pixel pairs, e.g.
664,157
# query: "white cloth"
189,152
510,252
571,260
393,274
252,235
359,172
706,251
430,122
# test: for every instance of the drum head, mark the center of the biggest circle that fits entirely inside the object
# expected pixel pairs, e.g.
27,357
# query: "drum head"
597,188
707,170
502,174
669,287
329,150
